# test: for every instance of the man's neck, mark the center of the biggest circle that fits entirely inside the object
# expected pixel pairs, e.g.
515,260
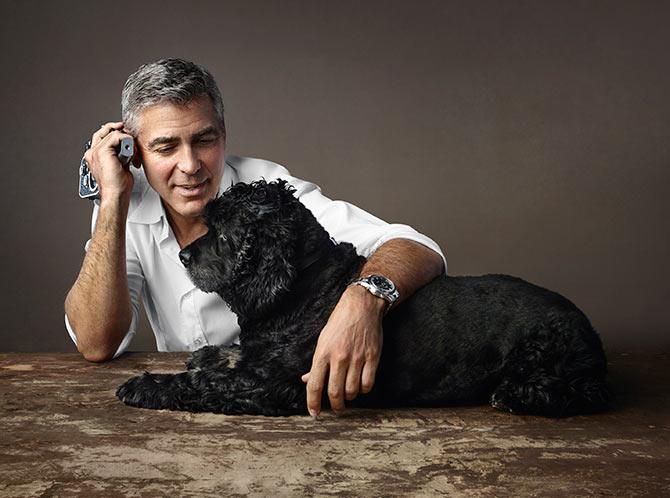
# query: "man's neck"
185,230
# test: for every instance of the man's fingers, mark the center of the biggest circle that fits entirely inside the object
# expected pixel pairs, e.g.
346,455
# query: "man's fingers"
136,160
368,376
315,387
336,378
353,383
111,140
104,130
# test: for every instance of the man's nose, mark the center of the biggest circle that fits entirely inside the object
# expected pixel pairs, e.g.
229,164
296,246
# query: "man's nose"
189,162
185,257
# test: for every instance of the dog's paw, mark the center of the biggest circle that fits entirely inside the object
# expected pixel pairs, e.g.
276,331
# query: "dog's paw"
501,401
202,357
145,391
131,391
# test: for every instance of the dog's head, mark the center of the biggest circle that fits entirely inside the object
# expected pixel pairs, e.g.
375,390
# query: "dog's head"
248,255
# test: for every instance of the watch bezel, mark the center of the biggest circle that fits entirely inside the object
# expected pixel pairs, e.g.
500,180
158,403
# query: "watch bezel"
389,296
382,283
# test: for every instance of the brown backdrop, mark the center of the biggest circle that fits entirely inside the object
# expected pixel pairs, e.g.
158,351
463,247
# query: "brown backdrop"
528,138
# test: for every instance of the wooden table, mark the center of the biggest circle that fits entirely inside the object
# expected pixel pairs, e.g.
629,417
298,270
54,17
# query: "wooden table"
64,433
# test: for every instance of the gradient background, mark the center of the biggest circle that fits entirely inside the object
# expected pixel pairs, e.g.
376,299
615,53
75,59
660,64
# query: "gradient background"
528,138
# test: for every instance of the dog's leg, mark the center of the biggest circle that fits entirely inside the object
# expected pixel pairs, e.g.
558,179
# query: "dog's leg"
540,394
557,373
227,391
551,396
214,357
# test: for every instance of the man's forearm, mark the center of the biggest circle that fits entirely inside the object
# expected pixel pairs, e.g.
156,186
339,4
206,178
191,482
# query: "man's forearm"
410,265
98,305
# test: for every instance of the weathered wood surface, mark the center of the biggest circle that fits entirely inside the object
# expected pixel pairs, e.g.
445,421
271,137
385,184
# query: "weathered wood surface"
64,433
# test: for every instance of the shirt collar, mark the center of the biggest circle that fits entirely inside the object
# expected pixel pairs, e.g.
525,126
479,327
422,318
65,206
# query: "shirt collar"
150,208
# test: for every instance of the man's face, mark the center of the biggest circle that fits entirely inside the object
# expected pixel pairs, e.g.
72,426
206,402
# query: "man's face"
183,150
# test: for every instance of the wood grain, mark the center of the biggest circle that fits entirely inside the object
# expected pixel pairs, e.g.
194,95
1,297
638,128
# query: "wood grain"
64,433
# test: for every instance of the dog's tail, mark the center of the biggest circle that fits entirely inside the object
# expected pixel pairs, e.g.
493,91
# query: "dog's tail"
557,373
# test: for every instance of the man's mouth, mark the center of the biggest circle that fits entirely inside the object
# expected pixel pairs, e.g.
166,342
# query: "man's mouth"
193,190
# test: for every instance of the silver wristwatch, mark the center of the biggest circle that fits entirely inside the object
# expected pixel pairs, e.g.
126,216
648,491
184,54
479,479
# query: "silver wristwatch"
379,286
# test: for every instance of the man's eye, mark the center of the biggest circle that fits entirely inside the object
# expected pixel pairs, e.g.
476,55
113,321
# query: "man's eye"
165,150
206,141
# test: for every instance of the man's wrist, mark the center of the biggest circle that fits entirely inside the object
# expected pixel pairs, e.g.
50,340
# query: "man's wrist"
361,295
119,203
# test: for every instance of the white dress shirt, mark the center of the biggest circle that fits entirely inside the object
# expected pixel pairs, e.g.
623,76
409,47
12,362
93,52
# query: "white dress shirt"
184,318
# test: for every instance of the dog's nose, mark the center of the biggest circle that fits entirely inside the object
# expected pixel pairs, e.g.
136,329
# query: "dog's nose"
185,257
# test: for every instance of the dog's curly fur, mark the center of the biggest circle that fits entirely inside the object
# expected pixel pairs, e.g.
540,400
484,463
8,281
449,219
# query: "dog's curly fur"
457,340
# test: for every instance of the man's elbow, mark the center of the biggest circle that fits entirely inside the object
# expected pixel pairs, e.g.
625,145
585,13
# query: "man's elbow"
97,356
96,340
97,352
432,260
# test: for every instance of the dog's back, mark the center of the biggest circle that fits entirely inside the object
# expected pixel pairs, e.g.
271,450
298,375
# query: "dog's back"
470,339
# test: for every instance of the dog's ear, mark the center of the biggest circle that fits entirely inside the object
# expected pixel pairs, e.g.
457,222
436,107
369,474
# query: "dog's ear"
271,215
277,240
276,270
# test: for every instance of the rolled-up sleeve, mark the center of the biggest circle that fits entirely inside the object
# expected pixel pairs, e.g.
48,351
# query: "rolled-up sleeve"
135,284
348,223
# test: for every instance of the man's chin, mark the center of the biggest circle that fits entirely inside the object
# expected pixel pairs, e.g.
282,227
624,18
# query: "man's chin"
190,208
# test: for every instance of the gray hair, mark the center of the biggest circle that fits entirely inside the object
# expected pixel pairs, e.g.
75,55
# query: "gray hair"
167,80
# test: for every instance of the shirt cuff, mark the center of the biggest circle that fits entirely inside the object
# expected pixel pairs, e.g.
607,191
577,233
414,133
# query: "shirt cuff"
416,237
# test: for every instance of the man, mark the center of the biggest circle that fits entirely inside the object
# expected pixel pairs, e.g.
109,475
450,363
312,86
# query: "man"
174,112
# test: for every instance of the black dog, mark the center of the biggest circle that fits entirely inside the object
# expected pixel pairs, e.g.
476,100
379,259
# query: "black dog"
458,340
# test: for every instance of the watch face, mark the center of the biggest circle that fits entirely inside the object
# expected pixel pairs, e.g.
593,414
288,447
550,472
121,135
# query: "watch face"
382,283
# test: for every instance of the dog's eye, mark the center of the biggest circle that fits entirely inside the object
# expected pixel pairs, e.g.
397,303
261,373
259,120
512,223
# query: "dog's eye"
226,240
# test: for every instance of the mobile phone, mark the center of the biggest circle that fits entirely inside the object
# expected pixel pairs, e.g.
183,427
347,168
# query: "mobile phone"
88,187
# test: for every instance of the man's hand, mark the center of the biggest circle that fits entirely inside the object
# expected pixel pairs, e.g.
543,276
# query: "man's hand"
348,350
113,179
350,345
